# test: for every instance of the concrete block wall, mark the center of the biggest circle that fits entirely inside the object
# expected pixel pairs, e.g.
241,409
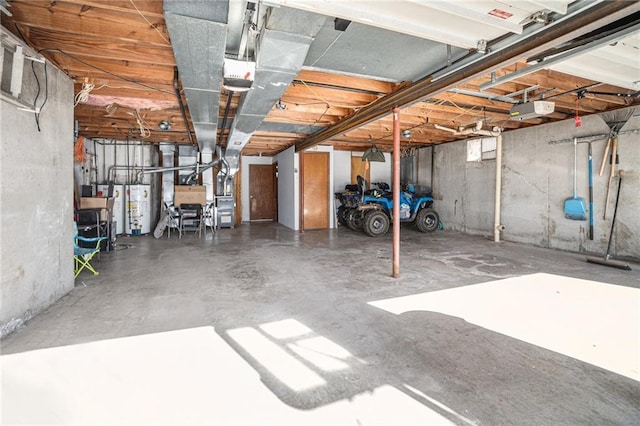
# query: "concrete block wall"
536,179
36,201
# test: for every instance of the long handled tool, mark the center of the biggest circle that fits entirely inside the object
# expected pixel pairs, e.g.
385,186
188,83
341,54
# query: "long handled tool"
574,207
590,193
616,121
614,152
607,261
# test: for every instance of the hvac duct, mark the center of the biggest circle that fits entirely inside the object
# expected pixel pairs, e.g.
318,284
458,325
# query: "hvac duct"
198,31
284,44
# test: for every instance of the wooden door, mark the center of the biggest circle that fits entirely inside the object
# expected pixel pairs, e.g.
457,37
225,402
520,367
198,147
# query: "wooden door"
359,167
315,192
262,192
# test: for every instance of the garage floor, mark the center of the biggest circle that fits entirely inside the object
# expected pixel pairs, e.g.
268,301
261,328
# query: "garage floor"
264,325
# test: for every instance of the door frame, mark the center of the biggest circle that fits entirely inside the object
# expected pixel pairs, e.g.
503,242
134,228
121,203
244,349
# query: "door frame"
274,177
301,188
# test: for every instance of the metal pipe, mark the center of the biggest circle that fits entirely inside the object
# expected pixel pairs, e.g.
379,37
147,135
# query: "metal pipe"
496,209
395,273
182,110
561,57
597,16
227,108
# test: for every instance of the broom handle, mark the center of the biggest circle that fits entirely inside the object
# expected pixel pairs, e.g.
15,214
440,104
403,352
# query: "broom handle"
604,157
613,156
615,212
575,167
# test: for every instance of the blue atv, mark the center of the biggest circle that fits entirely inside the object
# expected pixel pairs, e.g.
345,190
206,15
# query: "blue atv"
375,211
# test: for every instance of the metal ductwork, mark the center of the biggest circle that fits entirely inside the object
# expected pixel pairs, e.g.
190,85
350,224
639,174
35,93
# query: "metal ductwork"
198,31
284,43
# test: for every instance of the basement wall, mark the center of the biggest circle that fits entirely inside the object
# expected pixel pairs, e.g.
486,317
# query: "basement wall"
36,201
537,178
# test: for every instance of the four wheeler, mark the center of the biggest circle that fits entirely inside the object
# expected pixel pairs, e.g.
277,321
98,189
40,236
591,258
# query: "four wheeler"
372,211
348,212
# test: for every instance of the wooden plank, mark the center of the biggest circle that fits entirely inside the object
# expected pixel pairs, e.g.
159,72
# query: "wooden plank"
350,82
149,8
107,24
96,47
131,73
128,90
334,97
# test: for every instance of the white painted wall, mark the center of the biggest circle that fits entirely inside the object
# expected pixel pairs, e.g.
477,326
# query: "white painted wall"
382,172
247,161
36,201
288,188
341,170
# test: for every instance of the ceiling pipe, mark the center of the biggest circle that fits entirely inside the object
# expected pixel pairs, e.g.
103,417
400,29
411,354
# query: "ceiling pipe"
593,18
182,109
562,57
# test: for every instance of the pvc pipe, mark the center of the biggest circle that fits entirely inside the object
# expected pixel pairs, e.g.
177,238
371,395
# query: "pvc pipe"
496,209
395,273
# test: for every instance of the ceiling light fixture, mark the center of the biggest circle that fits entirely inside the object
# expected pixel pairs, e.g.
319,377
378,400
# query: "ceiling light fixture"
406,134
373,154
164,125
280,105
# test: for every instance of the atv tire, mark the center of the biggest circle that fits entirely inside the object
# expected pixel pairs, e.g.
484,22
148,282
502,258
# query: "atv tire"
376,224
355,220
342,215
427,220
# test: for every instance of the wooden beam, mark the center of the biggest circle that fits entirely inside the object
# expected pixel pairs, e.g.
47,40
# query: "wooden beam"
149,8
108,25
91,47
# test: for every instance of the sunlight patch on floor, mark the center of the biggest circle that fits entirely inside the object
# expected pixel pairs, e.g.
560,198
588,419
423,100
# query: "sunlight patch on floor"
187,376
591,321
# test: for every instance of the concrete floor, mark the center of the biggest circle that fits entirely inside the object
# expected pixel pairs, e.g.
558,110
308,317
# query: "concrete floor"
264,325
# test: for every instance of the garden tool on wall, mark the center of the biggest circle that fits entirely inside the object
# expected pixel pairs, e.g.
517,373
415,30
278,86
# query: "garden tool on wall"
615,120
574,207
606,260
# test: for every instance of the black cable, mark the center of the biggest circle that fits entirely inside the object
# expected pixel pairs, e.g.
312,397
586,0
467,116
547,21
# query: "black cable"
35,114
129,80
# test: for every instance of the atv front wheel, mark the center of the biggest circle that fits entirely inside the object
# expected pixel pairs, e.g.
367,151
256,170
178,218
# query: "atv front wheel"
355,220
427,220
342,215
376,224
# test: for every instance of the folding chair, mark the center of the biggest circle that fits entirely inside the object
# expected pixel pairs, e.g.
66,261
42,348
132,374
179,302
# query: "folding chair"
82,255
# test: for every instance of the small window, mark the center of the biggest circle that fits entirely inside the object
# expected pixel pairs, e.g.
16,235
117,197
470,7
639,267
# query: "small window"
481,149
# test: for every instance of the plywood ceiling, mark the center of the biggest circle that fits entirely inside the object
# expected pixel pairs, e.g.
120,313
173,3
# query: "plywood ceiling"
122,51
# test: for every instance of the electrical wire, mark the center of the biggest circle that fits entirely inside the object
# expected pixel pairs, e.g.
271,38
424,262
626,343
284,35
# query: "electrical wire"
145,132
38,110
335,105
128,80
154,26
83,95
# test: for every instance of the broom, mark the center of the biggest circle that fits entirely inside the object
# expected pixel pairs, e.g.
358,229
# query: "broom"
606,260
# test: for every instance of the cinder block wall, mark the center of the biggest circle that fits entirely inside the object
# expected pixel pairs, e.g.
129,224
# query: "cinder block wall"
537,178
36,200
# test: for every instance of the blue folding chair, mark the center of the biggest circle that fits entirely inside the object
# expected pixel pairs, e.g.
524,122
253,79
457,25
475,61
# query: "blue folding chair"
82,255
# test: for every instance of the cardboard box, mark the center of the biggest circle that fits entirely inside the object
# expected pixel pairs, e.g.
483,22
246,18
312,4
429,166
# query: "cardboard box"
98,203
186,194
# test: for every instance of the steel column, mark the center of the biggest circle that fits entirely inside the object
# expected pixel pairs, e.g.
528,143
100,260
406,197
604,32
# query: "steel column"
396,193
